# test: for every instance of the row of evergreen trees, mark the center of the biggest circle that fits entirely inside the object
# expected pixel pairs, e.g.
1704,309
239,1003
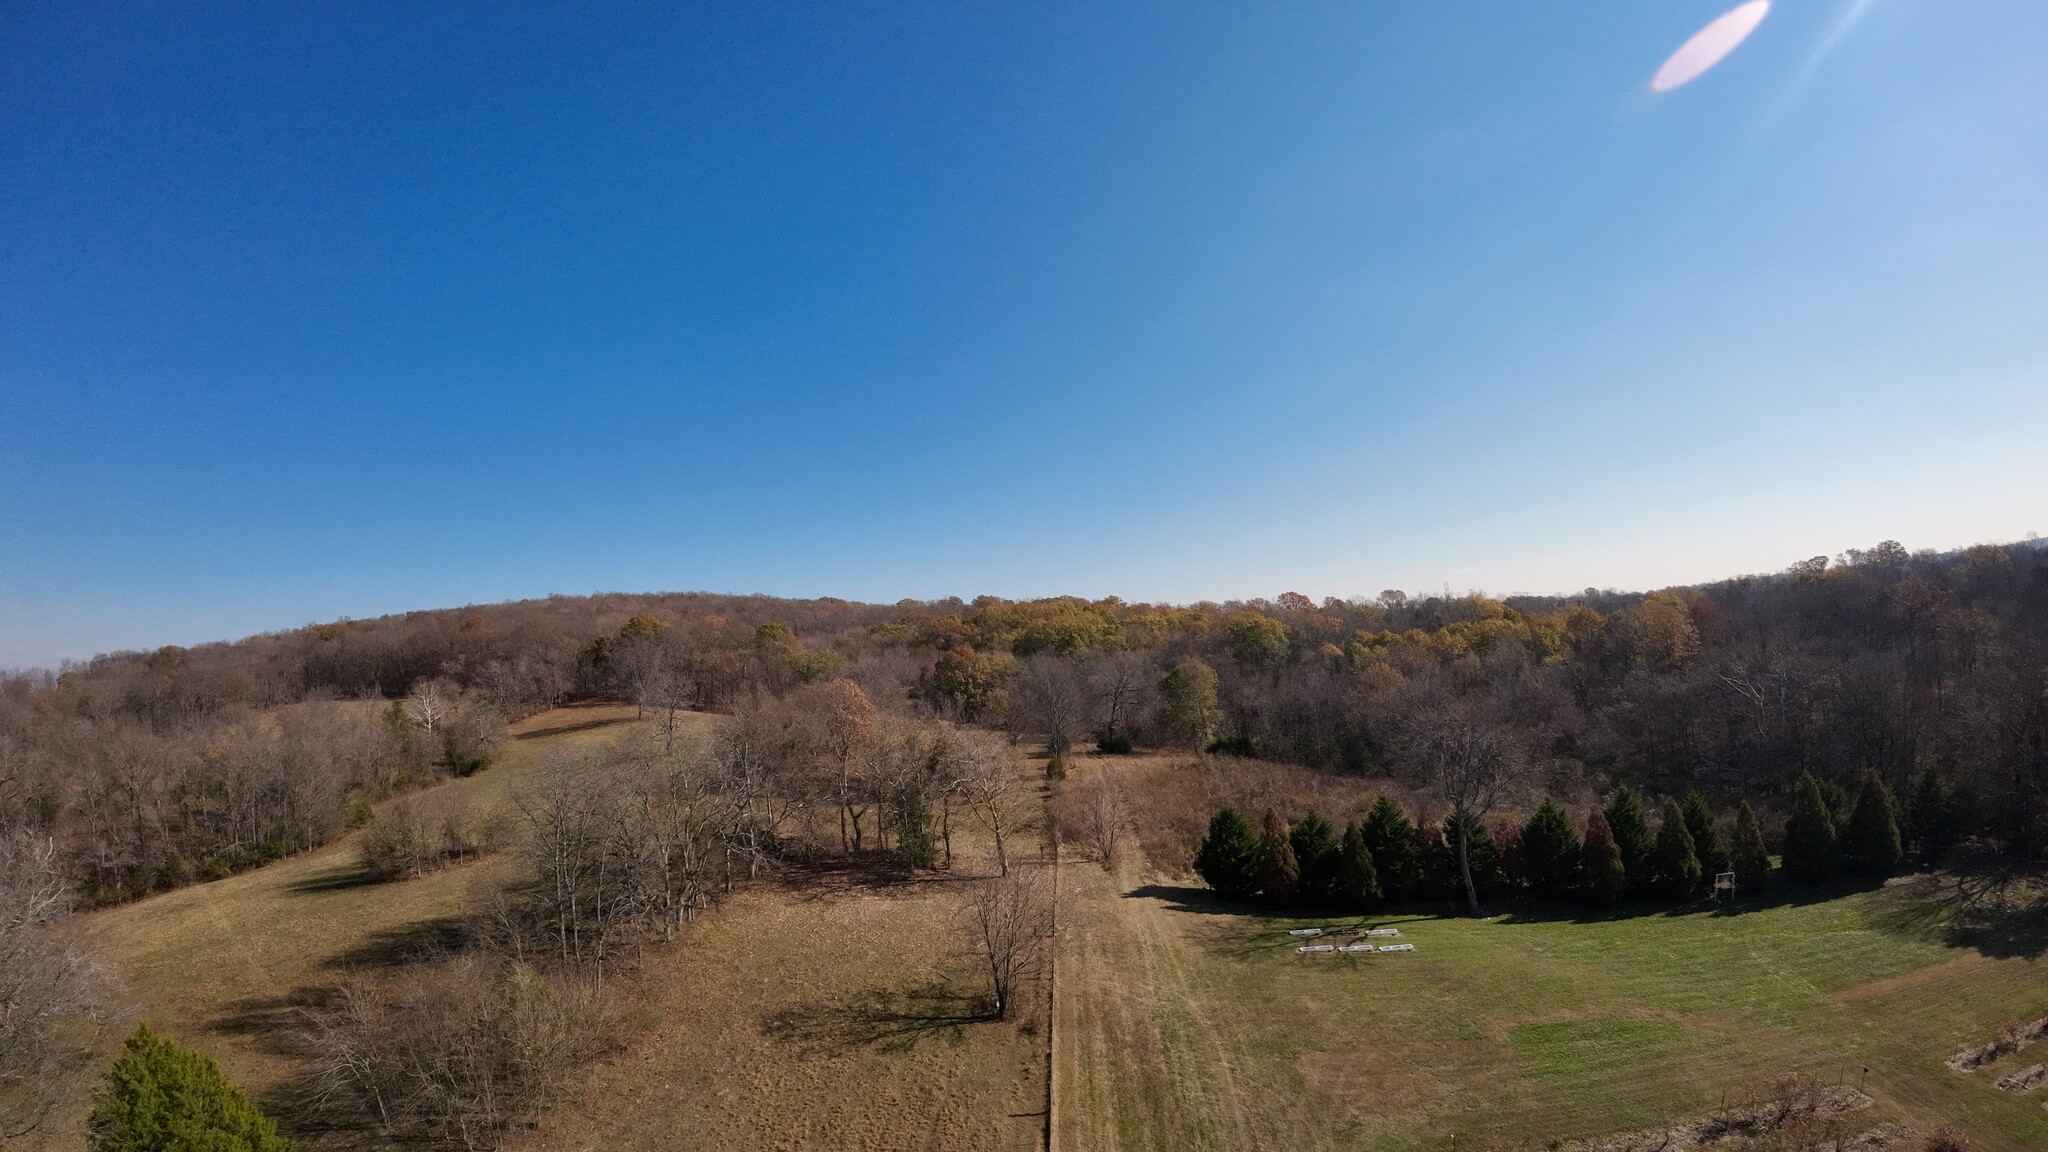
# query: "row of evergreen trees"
1386,857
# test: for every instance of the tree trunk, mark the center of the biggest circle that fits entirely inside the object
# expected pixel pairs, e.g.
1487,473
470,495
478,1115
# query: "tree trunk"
1465,866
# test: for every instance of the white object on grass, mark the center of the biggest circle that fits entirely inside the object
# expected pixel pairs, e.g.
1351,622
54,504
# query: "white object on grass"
1305,932
1317,948
1397,947
1383,932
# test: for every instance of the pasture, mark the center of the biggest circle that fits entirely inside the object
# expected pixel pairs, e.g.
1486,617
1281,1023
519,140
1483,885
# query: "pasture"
1186,1022
815,1009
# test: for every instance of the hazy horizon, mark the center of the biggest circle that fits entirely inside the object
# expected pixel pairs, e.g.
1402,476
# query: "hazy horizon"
347,313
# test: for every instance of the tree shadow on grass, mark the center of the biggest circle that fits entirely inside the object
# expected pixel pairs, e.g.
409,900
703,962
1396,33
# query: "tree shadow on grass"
827,877
887,1020
341,878
565,729
2001,913
1242,930
393,947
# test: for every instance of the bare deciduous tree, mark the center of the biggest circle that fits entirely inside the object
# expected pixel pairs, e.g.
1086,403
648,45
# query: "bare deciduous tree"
1470,764
52,992
1009,924
987,783
431,703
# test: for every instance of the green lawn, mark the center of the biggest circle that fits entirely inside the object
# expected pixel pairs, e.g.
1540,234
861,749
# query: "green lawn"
1530,1027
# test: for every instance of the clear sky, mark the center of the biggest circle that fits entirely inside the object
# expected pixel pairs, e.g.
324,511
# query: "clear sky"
312,311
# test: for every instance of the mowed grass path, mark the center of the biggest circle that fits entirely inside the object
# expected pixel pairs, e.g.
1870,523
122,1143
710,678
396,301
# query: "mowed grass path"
1190,1024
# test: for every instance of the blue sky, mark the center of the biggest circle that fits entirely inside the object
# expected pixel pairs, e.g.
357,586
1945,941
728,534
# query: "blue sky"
314,313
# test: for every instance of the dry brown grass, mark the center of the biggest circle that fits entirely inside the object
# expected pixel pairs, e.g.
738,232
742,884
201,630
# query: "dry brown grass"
822,1008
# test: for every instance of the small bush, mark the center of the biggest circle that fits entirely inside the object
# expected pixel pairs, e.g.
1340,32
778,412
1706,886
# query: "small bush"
1241,746
419,836
1056,768
1113,742
159,1095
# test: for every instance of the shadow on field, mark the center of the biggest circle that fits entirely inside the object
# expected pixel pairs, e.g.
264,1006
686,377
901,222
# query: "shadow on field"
828,877
273,1023
2001,912
565,729
391,947
884,1019
340,878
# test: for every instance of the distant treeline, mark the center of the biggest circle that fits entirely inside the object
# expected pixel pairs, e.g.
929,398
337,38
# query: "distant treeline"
1879,661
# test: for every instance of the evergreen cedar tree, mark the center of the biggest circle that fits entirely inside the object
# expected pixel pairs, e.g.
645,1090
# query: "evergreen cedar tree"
1278,872
1749,859
1606,878
1228,858
1631,828
1870,846
160,1097
1706,837
1677,865
1391,842
1314,843
1551,850
1934,818
1812,853
1356,886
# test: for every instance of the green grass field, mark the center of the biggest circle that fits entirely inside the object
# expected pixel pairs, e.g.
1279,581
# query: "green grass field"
1524,1029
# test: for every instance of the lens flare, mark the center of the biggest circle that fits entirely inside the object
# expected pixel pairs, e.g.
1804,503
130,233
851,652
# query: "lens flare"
1709,45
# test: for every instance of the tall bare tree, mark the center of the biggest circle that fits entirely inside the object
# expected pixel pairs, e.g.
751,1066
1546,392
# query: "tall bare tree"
1009,923
1470,764
52,991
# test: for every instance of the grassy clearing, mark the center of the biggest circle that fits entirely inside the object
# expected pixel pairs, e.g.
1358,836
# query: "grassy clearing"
822,1010
1191,1024
814,1015
223,966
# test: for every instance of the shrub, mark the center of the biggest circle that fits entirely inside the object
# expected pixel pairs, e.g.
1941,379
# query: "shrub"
1113,742
161,1097
419,836
455,1053
1228,857
1239,745
1056,767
